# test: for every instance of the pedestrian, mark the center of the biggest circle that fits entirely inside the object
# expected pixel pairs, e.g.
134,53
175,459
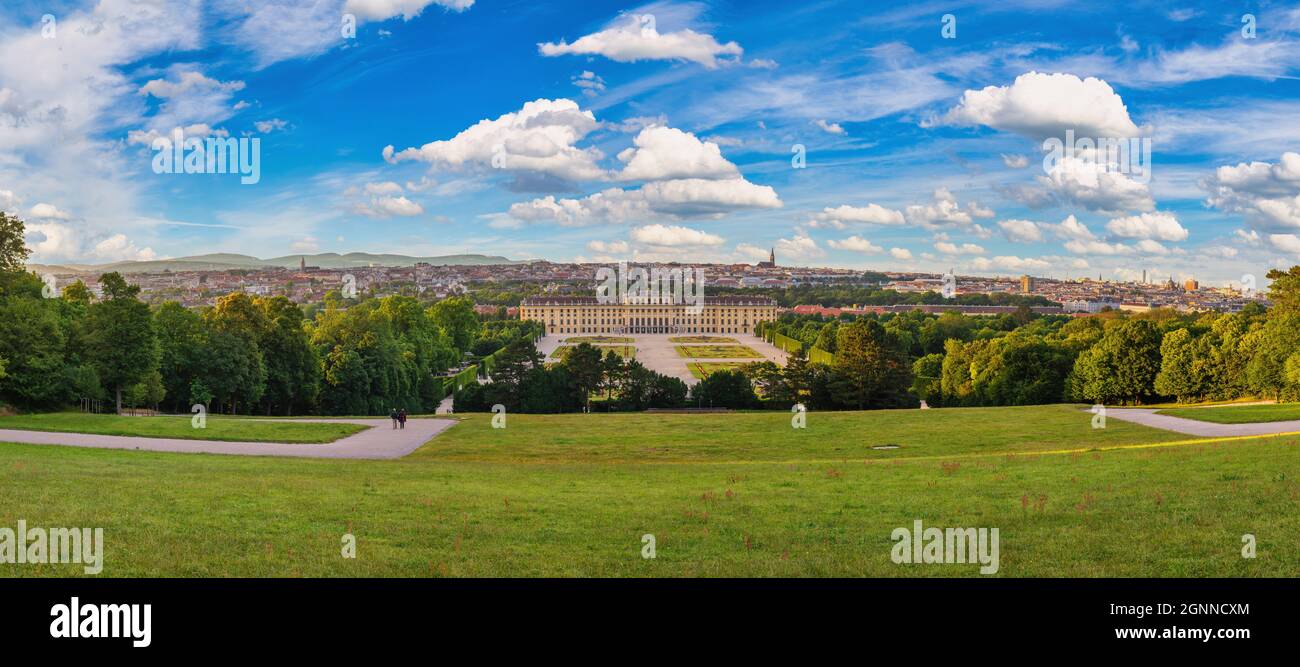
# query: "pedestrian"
392,414
401,417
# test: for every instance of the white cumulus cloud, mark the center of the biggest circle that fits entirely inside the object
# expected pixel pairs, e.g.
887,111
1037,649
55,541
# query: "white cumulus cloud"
674,235
856,244
538,138
1159,226
661,153
635,37
1039,105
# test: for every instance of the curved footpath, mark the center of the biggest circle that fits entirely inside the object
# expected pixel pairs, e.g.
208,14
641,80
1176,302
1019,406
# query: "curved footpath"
380,441
1148,417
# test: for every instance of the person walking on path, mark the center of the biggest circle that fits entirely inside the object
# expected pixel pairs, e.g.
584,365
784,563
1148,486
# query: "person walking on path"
392,414
401,417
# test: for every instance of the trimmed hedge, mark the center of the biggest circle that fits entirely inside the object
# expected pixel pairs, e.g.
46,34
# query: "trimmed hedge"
786,343
820,356
456,382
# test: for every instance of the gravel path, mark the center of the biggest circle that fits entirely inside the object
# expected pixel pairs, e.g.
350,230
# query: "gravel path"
380,441
1148,417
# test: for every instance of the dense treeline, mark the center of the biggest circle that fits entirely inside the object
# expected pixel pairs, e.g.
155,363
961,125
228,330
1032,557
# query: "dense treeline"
245,354
1114,358
522,382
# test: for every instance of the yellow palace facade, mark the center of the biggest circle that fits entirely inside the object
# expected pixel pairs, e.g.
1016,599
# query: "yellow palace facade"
586,315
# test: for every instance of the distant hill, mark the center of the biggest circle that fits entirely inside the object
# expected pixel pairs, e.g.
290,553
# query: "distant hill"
227,261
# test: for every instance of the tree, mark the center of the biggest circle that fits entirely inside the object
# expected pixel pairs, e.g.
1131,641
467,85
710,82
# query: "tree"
1021,369
513,363
149,391
634,389
667,392
292,364
1181,373
13,247
768,380
181,336
232,369
871,367
927,383
1284,290
725,389
1291,372
456,317
612,369
120,341
235,362
585,366
1122,366
32,345
199,393
77,293
549,390
956,375
826,337
796,379
1271,345
83,382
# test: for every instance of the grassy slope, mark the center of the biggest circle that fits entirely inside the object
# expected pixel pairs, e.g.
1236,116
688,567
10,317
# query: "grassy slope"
767,436
217,428
1241,414
729,494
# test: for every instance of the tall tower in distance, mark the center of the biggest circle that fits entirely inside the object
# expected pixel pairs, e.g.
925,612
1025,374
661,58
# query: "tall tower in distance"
302,263
771,260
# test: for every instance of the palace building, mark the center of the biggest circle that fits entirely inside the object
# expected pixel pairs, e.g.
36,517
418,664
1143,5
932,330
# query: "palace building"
586,315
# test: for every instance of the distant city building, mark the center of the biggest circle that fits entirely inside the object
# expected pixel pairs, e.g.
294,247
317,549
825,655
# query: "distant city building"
1027,284
586,315
1084,306
771,260
1191,285
925,308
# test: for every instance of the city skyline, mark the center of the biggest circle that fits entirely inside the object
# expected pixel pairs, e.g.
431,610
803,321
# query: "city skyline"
850,136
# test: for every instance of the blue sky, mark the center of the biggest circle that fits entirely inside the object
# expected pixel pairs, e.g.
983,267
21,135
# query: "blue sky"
604,131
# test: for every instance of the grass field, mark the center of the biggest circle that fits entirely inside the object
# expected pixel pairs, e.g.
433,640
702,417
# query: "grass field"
597,340
717,352
740,494
702,369
625,351
702,339
1239,414
217,428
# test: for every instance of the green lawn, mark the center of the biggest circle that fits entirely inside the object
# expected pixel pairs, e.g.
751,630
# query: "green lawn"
702,369
701,339
595,340
1239,414
217,428
740,494
717,352
625,351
